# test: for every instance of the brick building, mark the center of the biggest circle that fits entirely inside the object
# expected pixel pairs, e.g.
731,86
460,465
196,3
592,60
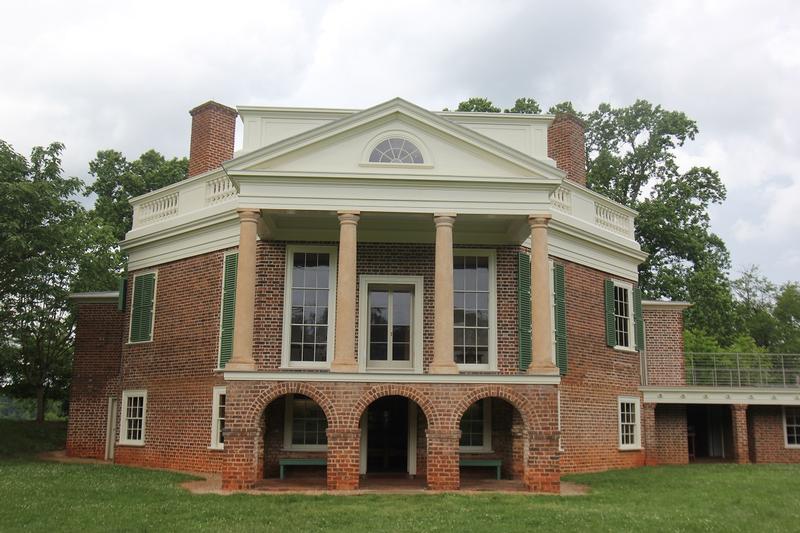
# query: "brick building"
393,291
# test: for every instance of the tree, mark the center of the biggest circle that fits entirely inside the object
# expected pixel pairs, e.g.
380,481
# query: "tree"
528,106
43,234
787,314
117,180
478,105
755,302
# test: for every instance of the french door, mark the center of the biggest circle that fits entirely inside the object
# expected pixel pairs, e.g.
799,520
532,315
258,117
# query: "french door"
389,343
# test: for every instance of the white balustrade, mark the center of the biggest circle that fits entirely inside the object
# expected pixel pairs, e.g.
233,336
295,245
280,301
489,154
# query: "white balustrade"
218,190
562,200
614,220
157,209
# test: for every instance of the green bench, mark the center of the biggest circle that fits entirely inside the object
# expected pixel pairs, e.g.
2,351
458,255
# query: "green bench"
494,463
301,462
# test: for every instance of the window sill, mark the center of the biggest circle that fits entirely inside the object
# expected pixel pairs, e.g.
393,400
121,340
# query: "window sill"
625,349
475,450
216,447
475,368
630,448
133,343
309,366
793,446
308,448
131,443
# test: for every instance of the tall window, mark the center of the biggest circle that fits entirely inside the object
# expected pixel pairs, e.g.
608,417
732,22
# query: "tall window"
390,319
471,314
218,418
143,307
629,424
476,425
623,317
396,150
310,278
134,406
306,424
792,421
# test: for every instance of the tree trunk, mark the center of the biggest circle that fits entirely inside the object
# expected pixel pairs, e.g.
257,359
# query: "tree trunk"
40,403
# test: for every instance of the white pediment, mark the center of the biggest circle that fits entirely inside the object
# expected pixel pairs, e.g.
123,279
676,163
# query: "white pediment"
343,147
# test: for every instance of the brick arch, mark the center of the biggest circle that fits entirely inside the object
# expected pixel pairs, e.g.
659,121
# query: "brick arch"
267,396
517,400
390,389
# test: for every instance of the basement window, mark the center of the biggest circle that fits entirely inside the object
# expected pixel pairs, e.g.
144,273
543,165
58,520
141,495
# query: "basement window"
791,418
218,419
134,409
629,424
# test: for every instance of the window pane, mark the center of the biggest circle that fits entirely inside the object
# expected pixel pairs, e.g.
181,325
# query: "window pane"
472,425
309,317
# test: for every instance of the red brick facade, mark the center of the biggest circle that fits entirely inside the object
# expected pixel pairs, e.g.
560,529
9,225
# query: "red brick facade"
566,144
768,437
664,345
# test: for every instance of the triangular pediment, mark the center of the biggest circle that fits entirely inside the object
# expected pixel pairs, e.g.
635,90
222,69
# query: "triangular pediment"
343,147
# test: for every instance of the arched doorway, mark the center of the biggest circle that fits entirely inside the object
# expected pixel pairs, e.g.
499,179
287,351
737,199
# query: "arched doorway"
393,442
492,445
295,442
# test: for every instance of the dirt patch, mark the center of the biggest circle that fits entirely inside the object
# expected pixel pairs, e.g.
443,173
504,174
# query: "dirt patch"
60,456
574,489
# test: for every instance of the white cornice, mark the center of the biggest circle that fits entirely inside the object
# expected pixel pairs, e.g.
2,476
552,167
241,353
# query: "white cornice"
94,297
721,395
374,377
660,304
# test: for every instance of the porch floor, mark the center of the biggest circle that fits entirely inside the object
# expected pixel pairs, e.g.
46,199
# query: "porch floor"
388,483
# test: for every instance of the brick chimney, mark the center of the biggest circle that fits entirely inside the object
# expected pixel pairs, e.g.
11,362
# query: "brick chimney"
213,128
566,145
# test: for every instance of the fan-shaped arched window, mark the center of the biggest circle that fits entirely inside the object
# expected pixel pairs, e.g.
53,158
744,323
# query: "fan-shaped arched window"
396,150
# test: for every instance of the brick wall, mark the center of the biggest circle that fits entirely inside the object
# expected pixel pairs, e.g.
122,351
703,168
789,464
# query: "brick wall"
95,374
664,343
768,441
672,444
596,377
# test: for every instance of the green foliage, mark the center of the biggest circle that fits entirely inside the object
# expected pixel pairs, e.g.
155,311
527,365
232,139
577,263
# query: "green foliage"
527,106
478,105
117,180
25,409
566,107
787,314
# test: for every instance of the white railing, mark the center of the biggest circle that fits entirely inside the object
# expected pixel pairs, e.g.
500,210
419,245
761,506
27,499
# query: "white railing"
612,219
219,190
562,200
156,209
743,369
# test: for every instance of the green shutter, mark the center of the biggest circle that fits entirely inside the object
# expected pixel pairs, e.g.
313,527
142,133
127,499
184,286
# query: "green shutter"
144,287
123,293
637,317
611,331
228,309
560,309
524,309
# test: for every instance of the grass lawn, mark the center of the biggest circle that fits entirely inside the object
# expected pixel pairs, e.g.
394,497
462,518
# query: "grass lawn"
40,496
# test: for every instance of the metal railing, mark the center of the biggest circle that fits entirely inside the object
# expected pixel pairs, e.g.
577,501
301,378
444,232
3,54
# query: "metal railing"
743,369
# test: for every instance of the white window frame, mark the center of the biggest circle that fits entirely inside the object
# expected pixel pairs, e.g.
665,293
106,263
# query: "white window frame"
123,428
487,430
427,157
215,442
554,347
637,444
155,302
287,306
492,255
786,429
364,365
287,430
221,304
631,347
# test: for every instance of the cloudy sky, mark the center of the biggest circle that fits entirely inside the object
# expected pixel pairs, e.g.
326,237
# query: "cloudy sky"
123,75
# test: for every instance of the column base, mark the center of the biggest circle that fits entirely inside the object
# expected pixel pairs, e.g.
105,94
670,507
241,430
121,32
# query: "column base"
343,367
543,370
443,369
237,366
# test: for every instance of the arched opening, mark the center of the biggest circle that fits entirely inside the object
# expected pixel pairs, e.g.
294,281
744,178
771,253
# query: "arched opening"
393,443
295,443
492,445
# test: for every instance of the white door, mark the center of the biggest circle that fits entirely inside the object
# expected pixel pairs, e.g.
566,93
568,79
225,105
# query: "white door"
111,428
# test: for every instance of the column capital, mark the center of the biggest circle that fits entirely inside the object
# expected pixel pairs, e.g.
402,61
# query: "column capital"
444,219
540,220
349,217
249,215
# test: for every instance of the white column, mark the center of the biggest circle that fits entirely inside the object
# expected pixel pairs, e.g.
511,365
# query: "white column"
443,297
541,310
242,357
344,352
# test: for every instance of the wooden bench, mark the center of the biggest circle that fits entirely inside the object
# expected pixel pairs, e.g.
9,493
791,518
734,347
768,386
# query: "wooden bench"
494,463
301,462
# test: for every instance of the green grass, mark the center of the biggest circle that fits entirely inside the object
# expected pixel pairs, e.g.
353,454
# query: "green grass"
38,496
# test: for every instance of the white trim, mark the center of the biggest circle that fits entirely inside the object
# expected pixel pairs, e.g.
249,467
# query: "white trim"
553,354
411,459
665,304
631,347
786,429
637,445
222,303
97,297
287,429
153,271
491,253
427,157
364,281
123,429
215,442
487,430
362,455
558,408
111,428
722,395
291,249
374,377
